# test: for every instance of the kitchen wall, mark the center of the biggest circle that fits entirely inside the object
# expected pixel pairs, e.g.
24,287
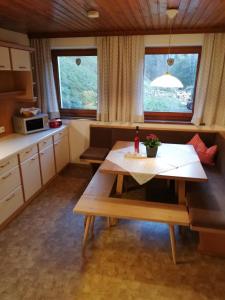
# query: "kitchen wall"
79,129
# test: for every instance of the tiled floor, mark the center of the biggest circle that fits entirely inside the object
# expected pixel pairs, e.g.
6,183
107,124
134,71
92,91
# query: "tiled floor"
40,255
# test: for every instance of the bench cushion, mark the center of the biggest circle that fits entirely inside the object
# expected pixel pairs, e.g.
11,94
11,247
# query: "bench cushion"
95,154
207,201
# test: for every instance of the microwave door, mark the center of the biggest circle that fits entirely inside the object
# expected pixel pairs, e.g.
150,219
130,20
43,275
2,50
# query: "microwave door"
34,125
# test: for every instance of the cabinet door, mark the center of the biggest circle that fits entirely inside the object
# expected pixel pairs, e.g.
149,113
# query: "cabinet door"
61,153
20,60
10,203
9,181
31,176
4,59
47,164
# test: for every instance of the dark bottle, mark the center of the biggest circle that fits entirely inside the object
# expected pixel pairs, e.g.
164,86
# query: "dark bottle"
136,140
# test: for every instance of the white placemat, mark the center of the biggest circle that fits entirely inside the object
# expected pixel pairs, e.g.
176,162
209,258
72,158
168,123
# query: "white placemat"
143,169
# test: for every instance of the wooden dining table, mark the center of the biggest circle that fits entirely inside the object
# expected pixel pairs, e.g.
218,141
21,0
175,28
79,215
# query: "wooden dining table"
187,166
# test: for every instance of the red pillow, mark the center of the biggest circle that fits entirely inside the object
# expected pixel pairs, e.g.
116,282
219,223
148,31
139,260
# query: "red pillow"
206,155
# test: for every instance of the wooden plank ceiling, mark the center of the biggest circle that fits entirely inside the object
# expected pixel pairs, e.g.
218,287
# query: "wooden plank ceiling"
69,17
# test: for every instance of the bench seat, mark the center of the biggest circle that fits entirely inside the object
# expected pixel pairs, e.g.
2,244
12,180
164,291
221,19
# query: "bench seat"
206,202
95,154
132,209
92,206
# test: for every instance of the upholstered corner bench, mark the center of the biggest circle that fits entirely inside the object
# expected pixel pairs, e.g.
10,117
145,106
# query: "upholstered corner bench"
207,205
206,200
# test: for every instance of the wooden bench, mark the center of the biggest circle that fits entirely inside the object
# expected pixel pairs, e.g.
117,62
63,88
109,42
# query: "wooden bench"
92,206
100,185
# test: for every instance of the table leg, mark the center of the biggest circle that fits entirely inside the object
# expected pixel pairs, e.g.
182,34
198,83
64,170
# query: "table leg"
119,191
181,192
119,185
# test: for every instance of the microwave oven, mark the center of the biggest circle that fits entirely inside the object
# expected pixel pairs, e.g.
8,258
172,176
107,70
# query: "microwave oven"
31,124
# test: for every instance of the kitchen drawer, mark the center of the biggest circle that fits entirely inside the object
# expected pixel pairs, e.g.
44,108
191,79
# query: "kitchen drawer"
9,181
28,152
8,164
45,143
10,203
60,134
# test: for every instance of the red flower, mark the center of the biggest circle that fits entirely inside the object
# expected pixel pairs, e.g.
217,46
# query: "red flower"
151,137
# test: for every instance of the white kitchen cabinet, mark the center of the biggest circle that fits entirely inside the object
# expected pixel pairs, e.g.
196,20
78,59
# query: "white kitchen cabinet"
20,60
9,181
9,163
28,152
61,152
10,203
31,176
5,64
47,164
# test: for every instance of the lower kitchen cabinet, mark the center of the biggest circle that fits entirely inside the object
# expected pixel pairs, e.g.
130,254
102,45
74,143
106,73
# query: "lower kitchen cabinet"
47,164
61,153
31,176
38,162
10,203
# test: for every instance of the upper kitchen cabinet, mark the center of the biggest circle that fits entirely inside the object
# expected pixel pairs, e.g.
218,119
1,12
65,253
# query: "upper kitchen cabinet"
5,64
20,60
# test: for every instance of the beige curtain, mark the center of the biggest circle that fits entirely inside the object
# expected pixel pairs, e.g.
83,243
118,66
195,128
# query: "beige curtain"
120,69
47,100
210,94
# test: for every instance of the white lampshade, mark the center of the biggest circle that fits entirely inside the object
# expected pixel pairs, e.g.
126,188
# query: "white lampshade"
167,81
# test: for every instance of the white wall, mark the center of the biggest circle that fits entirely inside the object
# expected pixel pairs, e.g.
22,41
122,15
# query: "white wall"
150,41
79,129
14,37
79,42
176,40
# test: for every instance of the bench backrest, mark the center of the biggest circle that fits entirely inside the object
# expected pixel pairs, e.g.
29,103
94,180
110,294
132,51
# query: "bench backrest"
107,136
220,159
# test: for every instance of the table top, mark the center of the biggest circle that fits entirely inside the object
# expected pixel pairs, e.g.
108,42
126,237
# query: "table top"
184,158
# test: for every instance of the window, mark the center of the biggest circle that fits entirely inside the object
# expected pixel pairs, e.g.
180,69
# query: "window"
169,104
75,74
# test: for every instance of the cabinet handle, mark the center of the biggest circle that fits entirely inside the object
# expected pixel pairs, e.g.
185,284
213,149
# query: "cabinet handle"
6,164
41,153
6,176
22,67
1,66
28,151
33,159
10,197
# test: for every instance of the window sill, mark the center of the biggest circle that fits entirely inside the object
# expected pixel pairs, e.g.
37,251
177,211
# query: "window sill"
168,122
78,118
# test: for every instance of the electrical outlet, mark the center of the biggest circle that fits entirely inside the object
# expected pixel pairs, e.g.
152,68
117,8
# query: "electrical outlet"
2,129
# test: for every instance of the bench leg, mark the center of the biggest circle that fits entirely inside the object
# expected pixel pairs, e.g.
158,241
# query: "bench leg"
92,225
85,221
173,242
86,230
108,222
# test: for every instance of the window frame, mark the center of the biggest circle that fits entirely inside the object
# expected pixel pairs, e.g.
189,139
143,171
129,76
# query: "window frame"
173,116
67,112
